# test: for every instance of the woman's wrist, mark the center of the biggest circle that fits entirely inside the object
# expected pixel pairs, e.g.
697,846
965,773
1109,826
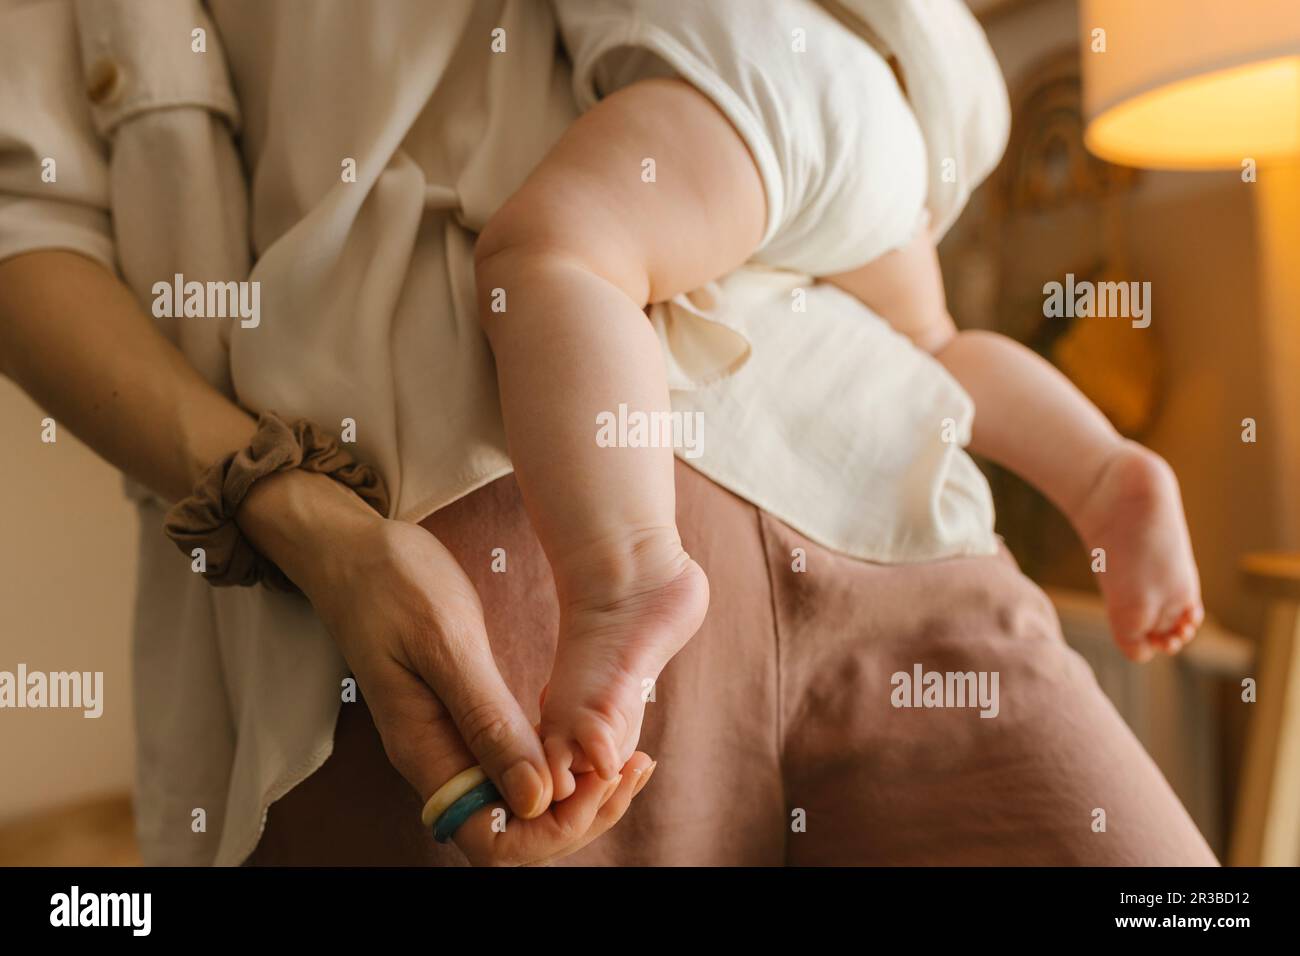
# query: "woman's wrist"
301,520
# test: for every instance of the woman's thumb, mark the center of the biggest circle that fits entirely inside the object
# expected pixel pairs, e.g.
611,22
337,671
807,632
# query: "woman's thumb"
493,725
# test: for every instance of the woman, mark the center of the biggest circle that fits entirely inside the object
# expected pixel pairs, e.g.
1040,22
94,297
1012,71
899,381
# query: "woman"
370,150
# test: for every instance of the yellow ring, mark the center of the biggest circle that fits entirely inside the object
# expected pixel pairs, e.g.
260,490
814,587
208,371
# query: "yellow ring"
450,792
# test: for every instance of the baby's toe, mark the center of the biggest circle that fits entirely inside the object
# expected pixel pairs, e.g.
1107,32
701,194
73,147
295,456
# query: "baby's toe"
1131,627
1137,651
560,758
596,738
1184,629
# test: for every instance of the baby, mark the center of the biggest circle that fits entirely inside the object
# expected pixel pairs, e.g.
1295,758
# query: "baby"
588,242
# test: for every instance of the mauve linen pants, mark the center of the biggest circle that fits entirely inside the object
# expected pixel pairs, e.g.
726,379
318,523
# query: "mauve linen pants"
782,703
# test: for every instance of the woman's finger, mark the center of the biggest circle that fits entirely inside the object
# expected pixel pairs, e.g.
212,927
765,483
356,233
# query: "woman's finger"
549,836
418,734
457,663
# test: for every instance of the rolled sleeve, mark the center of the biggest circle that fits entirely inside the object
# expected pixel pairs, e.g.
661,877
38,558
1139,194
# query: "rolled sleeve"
54,185
817,105
695,40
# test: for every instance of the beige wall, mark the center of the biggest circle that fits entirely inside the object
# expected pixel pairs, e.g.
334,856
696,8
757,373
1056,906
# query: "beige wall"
1198,251
67,580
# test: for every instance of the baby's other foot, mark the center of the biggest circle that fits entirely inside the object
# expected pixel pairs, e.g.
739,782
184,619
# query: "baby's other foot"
631,612
1150,583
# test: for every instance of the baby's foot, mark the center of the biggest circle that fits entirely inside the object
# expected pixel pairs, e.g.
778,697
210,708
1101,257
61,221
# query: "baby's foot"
628,613
1135,513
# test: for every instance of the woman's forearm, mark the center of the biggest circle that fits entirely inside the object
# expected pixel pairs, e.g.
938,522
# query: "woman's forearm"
74,338
397,604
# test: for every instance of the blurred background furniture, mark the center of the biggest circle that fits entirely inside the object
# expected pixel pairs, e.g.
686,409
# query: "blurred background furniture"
1267,827
1199,84
96,832
1133,199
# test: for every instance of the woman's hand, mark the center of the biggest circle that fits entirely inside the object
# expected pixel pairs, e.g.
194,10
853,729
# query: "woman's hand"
74,338
594,807
410,624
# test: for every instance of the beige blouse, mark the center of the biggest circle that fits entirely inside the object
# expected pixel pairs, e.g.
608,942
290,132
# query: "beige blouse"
217,141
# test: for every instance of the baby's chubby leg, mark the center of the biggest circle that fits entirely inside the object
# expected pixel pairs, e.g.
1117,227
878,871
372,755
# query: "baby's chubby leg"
565,270
1030,418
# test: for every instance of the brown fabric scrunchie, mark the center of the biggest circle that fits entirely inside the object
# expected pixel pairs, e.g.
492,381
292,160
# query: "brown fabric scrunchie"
206,519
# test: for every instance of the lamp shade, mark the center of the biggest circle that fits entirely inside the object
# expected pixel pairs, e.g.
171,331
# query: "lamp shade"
1191,84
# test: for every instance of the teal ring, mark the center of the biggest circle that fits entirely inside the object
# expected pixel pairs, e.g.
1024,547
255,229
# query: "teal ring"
454,817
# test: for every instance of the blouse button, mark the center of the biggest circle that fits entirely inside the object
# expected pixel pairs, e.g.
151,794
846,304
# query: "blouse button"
104,82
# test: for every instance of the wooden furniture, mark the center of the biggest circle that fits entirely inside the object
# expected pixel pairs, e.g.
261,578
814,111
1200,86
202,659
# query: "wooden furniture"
95,832
1172,705
1266,831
